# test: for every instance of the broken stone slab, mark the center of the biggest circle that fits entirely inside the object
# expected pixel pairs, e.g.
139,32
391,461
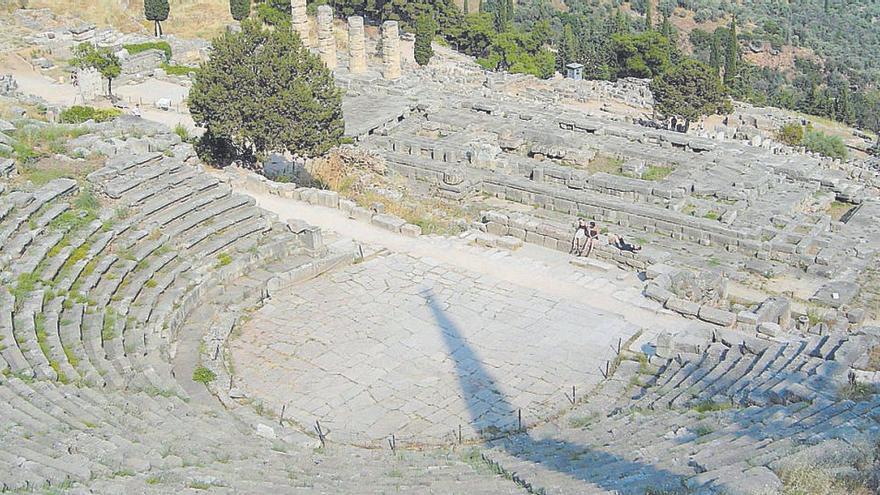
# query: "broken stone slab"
836,293
717,316
683,306
769,328
658,269
692,340
657,293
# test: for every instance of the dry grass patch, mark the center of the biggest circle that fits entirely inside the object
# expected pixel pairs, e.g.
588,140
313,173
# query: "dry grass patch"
838,209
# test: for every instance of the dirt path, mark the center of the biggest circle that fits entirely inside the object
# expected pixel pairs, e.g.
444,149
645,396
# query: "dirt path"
532,267
34,83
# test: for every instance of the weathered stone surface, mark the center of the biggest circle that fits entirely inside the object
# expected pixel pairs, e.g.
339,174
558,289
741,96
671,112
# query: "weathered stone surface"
390,50
716,316
326,38
683,306
388,222
357,58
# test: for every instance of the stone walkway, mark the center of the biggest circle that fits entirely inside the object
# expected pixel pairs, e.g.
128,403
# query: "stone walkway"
415,347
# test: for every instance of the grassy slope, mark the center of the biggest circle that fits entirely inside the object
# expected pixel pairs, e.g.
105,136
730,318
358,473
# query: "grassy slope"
188,18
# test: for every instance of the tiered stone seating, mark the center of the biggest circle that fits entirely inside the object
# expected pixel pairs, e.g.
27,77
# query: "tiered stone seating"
93,302
723,421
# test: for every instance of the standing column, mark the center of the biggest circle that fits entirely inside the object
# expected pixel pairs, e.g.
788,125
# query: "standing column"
326,39
357,52
390,50
300,20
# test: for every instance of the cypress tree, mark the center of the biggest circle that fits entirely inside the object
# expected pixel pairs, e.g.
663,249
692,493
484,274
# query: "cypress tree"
666,29
426,29
649,16
156,11
732,55
568,49
240,9
503,14
715,53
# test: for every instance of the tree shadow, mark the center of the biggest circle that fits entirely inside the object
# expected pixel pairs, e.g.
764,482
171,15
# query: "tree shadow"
798,423
497,422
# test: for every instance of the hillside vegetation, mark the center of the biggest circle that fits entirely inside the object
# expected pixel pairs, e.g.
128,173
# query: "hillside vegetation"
187,19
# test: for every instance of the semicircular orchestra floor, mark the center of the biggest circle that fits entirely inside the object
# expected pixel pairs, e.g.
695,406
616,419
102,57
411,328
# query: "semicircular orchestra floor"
414,348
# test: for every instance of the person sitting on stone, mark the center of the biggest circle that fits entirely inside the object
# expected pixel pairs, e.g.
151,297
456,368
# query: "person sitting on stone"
579,240
620,243
592,237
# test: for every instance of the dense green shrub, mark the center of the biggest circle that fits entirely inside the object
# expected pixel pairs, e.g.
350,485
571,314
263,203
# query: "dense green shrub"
162,46
819,142
178,70
78,114
791,134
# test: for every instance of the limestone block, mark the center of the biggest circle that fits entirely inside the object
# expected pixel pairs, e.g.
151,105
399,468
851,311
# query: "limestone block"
682,306
388,222
657,269
518,233
361,214
347,206
534,238
327,198
509,242
496,228
716,316
747,317
768,328
494,216
657,293
411,230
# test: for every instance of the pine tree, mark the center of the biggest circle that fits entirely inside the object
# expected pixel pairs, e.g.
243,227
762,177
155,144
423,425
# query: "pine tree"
262,91
156,11
649,16
732,56
240,9
426,29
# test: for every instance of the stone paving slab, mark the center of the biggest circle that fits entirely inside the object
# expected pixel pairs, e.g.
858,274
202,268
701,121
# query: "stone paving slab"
410,347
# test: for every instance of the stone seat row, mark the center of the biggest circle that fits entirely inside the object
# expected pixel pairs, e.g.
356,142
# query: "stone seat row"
616,443
131,264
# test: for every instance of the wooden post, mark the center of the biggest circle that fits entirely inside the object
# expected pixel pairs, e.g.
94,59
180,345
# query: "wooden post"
519,419
281,419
